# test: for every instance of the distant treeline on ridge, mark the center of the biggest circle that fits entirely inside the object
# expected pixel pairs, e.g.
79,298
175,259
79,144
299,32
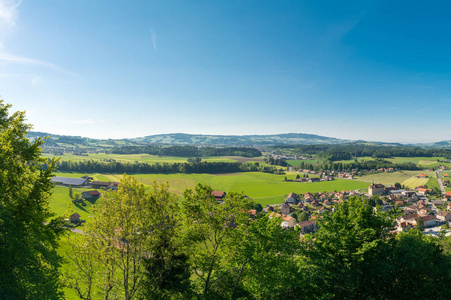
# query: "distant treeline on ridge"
187,151
352,150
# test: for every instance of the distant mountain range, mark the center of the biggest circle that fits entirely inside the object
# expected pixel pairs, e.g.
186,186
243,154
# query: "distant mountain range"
62,141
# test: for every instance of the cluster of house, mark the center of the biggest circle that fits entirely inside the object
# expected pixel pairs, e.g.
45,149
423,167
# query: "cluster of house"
323,201
395,193
326,176
414,212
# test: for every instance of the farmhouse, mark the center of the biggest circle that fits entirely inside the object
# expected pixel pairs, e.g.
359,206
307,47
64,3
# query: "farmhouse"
104,184
66,181
448,194
376,189
219,195
90,195
445,175
74,218
422,176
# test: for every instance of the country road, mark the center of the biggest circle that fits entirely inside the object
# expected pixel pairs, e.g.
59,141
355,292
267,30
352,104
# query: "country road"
442,188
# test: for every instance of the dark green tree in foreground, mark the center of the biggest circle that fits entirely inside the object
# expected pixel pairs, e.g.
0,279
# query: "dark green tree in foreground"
28,261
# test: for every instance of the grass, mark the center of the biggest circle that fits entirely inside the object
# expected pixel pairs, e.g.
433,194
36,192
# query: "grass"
360,159
264,188
297,162
406,178
60,200
147,158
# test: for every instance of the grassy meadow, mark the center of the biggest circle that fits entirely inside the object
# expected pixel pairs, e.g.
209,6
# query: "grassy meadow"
297,163
406,178
264,188
146,158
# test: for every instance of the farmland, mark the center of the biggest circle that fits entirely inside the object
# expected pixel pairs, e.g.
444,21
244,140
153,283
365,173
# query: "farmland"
262,187
146,158
406,178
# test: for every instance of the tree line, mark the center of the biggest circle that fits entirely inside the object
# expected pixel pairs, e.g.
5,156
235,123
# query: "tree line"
96,166
358,165
187,151
332,153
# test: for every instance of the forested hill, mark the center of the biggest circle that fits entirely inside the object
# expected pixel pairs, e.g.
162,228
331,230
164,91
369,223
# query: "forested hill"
287,139
188,139
263,140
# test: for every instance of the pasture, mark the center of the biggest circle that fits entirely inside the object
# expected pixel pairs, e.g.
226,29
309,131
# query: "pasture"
264,188
406,178
297,162
146,158
60,203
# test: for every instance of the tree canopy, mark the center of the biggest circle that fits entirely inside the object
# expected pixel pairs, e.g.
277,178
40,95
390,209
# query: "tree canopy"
28,259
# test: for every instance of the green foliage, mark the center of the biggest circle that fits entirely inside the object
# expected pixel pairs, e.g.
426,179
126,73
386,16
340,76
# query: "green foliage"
346,242
130,246
29,263
303,216
187,151
111,166
420,224
258,207
210,231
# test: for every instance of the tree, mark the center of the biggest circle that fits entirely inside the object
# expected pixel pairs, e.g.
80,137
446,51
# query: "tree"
344,247
297,176
303,216
211,235
420,224
29,263
258,207
71,193
129,247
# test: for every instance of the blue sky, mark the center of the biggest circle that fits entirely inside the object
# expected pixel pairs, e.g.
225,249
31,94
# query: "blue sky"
372,70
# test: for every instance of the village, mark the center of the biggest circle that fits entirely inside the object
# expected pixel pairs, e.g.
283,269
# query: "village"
304,210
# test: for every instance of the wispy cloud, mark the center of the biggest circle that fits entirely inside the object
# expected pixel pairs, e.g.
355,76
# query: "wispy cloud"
11,58
9,11
154,40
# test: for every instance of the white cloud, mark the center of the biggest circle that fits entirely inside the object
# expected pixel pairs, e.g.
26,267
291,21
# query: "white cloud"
9,12
154,40
10,58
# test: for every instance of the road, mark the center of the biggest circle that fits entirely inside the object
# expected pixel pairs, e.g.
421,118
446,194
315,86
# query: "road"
442,188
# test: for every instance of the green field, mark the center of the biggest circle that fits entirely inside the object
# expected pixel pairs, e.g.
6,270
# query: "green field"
297,163
360,159
264,188
60,200
406,178
151,159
